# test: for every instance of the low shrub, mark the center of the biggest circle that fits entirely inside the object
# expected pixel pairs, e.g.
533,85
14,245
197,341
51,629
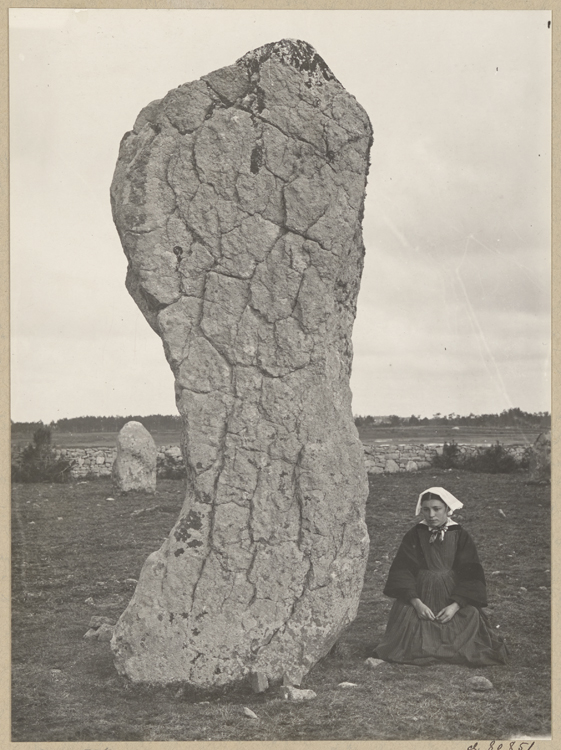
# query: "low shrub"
451,457
170,466
39,462
493,460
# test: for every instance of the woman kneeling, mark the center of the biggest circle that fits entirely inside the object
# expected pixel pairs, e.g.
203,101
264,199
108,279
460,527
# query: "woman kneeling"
439,587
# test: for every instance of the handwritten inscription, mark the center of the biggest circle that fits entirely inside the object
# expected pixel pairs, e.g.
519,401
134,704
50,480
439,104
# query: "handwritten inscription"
516,745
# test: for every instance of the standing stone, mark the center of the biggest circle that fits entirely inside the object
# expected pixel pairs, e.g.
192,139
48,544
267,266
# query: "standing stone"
238,199
135,465
540,458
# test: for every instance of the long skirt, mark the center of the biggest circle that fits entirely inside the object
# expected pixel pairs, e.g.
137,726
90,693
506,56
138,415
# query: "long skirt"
466,639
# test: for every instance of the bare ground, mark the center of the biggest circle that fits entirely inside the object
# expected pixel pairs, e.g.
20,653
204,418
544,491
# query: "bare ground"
74,549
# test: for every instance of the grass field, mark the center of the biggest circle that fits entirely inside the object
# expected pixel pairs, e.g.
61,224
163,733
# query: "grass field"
73,545
422,434
446,433
92,439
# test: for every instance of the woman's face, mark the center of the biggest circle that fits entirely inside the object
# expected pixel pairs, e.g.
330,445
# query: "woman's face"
435,512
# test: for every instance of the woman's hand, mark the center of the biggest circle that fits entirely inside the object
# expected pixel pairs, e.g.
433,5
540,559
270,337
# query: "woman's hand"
423,612
446,614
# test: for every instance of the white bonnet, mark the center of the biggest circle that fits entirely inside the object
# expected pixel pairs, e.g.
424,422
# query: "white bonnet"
447,498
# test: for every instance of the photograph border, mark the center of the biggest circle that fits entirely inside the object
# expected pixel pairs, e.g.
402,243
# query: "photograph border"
5,653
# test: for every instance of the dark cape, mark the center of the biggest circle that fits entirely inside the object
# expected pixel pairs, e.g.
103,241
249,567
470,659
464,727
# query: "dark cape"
439,573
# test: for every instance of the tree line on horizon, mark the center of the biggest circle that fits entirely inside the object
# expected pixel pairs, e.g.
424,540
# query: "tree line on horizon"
152,422
514,417
172,422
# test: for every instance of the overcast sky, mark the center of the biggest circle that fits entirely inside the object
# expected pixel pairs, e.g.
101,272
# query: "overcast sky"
454,307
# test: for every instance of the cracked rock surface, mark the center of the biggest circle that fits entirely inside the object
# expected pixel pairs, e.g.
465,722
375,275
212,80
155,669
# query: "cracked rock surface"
238,199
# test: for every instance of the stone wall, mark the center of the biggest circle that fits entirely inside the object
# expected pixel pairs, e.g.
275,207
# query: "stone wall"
98,462
89,462
380,458
390,458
